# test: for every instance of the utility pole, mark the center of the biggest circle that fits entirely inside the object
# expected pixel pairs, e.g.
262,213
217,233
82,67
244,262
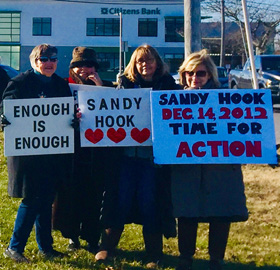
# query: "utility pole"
250,45
192,31
222,52
120,52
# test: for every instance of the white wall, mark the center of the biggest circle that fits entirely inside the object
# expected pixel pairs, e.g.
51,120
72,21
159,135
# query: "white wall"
69,23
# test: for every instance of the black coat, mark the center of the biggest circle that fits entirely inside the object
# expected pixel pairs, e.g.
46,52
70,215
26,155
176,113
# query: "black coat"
162,173
4,79
166,82
30,176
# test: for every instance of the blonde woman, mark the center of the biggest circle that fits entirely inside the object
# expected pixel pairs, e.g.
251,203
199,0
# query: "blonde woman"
212,193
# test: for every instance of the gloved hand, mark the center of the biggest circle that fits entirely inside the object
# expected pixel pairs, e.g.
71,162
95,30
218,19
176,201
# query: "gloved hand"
4,121
75,123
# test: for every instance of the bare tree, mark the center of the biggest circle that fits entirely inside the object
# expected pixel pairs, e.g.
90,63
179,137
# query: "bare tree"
263,19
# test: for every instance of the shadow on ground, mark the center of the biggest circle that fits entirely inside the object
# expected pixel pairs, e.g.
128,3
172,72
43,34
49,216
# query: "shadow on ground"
129,260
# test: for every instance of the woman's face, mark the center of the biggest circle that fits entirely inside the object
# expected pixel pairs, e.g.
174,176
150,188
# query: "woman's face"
146,66
84,71
46,65
198,77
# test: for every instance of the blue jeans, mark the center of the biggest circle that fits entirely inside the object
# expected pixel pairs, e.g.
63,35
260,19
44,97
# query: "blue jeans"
137,181
33,210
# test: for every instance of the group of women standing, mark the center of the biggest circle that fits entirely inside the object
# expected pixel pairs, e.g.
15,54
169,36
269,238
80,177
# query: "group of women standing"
134,189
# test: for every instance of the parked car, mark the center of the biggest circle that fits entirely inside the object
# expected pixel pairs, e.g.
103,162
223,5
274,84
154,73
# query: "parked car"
223,77
268,75
10,71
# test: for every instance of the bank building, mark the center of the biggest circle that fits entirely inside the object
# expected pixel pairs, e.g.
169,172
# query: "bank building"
100,24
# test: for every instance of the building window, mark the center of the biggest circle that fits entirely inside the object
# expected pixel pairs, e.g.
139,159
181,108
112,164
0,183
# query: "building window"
10,55
108,61
42,26
103,27
147,27
9,27
174,29
174,61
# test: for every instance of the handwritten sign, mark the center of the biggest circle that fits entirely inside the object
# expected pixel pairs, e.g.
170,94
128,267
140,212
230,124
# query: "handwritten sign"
113,117
213,126
39,126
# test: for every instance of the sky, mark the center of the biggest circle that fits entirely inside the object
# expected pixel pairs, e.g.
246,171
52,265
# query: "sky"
272,5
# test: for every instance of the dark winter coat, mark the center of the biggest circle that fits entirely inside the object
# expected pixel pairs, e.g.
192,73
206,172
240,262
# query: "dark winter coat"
168,225
166,82
208,192
4,79
29,176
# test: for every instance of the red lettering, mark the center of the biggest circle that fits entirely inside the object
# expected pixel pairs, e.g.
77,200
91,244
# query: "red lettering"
185,113
184,149
225,149
166,114
237,148
253,149
214,147
176,114
195,149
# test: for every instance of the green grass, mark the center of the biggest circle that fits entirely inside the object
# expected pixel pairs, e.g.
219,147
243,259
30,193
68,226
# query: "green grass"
254,244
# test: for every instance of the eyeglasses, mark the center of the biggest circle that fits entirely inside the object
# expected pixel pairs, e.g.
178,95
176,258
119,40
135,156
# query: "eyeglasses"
199,73
147,61
45,59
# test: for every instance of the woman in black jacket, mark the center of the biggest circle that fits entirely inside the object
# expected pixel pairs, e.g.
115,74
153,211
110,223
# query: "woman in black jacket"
140,180
34,178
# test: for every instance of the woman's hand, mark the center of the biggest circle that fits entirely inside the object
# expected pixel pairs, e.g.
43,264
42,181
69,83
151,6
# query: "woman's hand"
76,120
95,78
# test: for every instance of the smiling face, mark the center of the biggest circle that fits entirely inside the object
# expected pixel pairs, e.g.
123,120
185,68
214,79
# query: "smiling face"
46,65
198,77
146,66
84,71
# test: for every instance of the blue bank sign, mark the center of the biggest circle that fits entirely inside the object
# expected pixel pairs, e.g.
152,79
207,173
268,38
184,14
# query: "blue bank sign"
144,11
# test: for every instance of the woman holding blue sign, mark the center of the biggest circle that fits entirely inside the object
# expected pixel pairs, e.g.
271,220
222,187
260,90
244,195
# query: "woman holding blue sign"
35,177
140,181
212,193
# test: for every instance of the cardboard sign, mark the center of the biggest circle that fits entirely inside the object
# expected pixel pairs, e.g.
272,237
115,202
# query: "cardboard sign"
39,126
112,117
213,126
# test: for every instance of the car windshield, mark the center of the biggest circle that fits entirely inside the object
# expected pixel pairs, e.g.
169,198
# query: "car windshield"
271,63
222,73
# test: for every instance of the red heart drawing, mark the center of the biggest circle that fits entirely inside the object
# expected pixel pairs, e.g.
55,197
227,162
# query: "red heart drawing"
140,136
116,135
94,136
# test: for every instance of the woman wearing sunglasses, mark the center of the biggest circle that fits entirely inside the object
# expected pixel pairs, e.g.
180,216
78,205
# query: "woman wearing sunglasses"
211,193
34,178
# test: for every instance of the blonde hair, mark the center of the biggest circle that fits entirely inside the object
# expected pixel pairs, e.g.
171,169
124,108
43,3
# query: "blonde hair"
41,50
144,51
193,61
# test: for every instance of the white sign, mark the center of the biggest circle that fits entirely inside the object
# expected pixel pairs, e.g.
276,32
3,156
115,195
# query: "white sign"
83,87
213,126
39,126
112,117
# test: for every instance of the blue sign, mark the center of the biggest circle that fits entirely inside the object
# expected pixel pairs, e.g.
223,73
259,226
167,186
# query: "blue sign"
213,126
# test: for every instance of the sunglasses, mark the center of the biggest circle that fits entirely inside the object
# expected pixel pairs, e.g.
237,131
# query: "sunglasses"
45,59
199,73
147,61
